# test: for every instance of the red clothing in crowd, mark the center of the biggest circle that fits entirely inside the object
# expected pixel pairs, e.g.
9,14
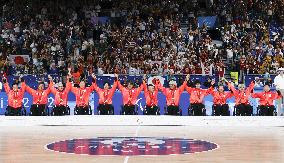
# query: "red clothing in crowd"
151,97
173,95
242,97
39,96
196,94
266,98
105,95
15,98
60,97
129,95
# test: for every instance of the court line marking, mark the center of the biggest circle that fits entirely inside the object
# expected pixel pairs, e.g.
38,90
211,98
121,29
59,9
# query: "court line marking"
126,159
136,134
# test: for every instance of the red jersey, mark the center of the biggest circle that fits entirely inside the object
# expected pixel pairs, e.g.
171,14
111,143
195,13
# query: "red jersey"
39,96
173,95
220,98
105,95
266,98
60,97
242,97
15,98
151,97
82,95
196,94
129,95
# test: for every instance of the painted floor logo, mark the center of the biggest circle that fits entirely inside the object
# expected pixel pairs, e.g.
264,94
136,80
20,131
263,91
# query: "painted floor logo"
131,146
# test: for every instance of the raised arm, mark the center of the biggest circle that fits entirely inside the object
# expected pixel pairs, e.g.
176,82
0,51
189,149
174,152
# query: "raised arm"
6,85
256,95
48,90
112,90
161,88
68,86
277,95
95,87
140,88
251,87
120,87
188,89
29,89
210,89
182,87
51,86
145,87
72,88
229,94
232,88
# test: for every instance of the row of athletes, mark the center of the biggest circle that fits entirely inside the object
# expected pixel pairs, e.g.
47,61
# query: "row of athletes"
130,94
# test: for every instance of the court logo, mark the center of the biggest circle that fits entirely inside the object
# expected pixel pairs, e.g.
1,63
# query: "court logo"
131,146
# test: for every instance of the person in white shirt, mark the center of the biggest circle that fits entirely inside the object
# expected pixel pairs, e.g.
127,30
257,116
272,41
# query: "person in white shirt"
1,86
279,84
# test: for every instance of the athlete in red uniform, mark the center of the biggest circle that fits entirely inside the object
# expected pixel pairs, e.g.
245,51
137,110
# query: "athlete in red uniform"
105,98
151,95
196,98
82,95
220,106
15,97
266,99
60,97
243,107
40,96
129,95
173,95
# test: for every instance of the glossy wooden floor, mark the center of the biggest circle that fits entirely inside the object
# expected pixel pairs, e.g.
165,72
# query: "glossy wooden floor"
237,143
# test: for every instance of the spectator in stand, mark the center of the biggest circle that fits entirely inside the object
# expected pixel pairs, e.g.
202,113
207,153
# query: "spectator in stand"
279,84
143,36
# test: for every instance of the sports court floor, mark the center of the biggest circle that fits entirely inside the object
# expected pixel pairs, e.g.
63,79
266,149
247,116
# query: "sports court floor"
238,139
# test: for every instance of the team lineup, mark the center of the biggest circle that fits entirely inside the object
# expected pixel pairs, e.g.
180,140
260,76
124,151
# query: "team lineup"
130,95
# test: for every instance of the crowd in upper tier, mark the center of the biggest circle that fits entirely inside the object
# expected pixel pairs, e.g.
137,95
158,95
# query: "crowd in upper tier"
138,37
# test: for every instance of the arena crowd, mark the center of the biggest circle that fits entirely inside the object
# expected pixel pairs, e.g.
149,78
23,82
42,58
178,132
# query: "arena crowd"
142,37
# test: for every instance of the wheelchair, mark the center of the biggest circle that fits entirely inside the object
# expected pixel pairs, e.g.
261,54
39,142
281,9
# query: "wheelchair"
190,111
122,111
23,112
158,112
110,112
235,111
65,113
258,111
90,111
167,113
45,112
214,114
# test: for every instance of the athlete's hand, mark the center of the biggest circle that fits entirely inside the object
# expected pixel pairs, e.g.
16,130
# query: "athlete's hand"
69,76
212,82
21,79
144,77
94,76
187,77
49,77
4,80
